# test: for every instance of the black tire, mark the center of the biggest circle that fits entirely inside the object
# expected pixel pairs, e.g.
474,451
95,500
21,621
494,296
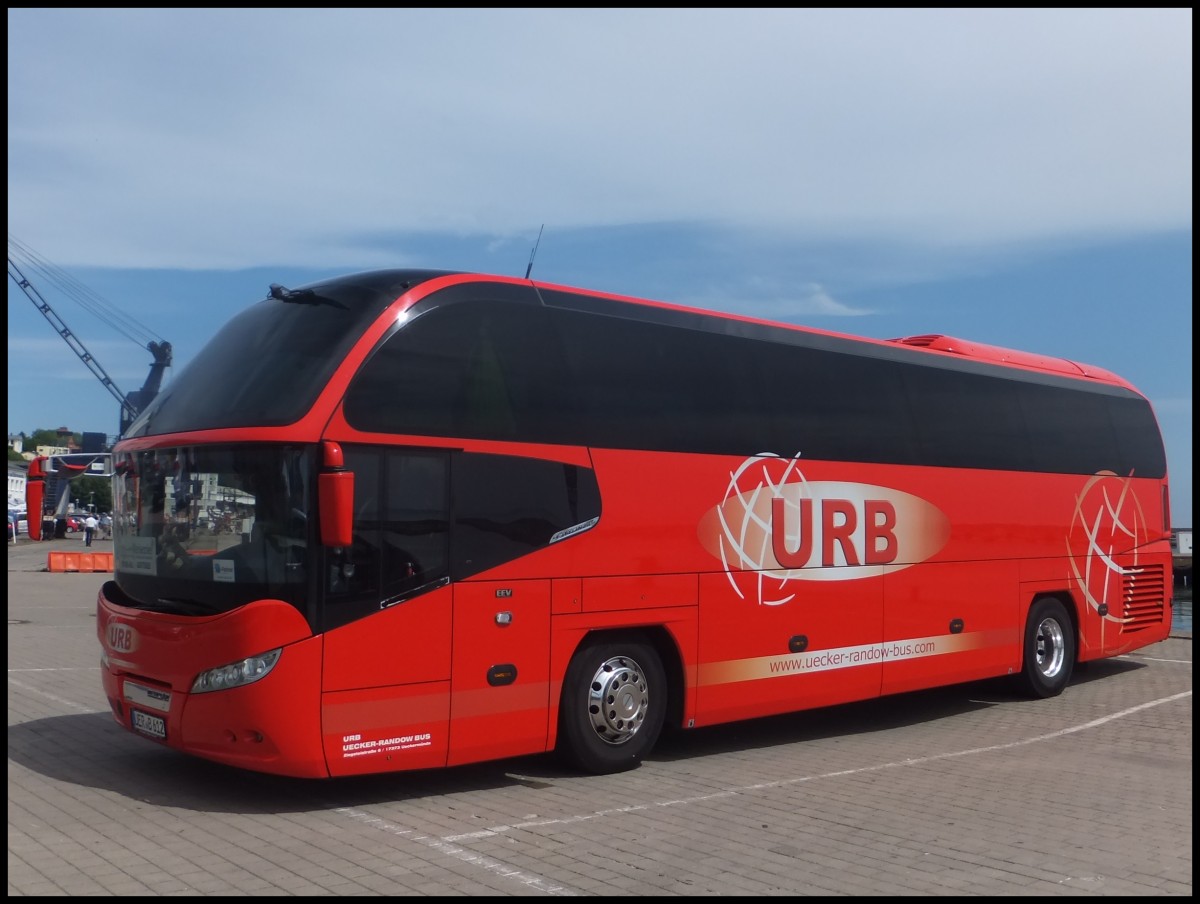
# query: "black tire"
1048,655
614,700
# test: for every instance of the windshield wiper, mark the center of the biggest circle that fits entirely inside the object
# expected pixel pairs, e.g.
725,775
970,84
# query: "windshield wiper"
303,296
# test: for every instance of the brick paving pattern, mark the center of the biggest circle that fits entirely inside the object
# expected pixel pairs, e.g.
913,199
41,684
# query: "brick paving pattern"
958,791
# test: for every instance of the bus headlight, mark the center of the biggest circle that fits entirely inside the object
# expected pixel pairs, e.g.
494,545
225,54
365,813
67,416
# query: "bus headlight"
236,674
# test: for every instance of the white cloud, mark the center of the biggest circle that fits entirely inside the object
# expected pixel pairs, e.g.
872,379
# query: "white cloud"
818,302
771,302
229,138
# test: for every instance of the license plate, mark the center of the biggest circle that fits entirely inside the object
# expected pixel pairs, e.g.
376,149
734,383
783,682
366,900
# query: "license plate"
148,725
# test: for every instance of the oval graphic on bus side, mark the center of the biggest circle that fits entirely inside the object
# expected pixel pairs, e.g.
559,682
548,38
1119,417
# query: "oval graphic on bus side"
774,522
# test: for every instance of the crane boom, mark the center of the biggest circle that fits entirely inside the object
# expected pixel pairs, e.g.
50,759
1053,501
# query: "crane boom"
65,331
131,405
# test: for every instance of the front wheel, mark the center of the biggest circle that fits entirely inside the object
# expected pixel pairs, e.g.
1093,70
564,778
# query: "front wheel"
1049,650
613,705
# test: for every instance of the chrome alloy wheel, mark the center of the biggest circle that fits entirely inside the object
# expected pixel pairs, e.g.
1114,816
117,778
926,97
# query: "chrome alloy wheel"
618,700
1051,647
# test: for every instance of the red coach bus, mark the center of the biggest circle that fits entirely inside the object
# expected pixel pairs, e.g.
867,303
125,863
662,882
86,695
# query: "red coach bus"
412,519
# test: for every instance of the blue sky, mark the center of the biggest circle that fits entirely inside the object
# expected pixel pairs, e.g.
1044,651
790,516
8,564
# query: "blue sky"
1015,177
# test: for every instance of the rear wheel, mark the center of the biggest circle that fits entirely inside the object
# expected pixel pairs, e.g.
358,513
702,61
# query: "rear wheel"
1049,649
613,705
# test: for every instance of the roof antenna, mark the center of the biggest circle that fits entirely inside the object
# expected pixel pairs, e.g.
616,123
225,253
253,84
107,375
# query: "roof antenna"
529,269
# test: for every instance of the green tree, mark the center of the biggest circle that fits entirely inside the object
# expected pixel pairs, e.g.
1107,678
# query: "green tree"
45,437
90,490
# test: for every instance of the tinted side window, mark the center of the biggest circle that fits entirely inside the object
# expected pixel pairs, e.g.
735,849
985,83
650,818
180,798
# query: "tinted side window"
484,369
652,386
1139,442
966,420
577,373
401,532
506,507
837,406
649,386
1068,432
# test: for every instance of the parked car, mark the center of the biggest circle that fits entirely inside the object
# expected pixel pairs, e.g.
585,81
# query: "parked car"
74,524
18,525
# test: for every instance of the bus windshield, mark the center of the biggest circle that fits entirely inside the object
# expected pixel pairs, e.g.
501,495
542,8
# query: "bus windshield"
200,530
269,363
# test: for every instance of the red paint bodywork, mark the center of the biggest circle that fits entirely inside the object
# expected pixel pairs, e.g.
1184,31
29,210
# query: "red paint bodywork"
407,688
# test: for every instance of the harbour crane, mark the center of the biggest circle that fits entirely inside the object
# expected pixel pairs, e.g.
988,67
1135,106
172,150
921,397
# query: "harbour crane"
49,479
135,402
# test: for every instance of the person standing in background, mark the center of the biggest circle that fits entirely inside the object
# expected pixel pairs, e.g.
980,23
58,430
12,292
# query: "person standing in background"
89,529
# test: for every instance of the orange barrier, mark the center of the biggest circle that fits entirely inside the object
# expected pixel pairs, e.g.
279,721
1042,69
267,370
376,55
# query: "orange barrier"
79,561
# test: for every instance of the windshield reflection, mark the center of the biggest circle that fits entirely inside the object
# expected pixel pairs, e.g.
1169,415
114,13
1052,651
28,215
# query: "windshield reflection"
207,528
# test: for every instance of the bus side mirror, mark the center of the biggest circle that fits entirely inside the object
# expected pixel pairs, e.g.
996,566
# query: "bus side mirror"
335,491
337,508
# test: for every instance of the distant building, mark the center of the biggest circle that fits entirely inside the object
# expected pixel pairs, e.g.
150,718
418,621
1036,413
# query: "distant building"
1181,541
66,444
17,478
1181,551
67,439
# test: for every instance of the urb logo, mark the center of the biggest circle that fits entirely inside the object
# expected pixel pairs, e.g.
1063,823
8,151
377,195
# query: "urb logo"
774,527
122,638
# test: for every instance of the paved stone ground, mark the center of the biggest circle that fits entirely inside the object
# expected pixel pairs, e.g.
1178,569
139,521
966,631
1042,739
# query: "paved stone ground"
960,791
